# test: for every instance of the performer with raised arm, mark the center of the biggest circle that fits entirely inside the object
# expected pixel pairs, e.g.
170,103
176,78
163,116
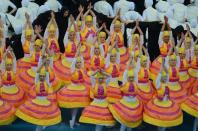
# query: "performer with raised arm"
76,94
90,29
26,78
165,44
97,112
145,90
40,110
52,34
10,92
116,31
176,92
2,40
103,40
136,38
128,111
72,45
193,71
162,111
112,67
184,79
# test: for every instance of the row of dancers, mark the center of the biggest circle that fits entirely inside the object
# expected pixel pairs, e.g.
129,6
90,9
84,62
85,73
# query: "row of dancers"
111,82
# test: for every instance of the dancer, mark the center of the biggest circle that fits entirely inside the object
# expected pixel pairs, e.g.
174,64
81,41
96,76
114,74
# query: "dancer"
76,94
10,92
97,112
145,90
193,71
112,67
71,43
165,44
52,34
40,110
128,111
117,30
162,111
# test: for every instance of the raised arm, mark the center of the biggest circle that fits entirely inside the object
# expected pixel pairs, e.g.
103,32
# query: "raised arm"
80,15
138,27
37,31
14,8
106,30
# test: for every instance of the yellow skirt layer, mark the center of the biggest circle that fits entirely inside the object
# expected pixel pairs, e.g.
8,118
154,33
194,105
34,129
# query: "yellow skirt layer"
41,122
162,123
118,118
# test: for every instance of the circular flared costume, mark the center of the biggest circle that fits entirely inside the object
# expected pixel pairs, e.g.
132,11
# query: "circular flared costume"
193,72
114,93
155,67
7,113
191,105
62,70
26,79
13,95
97,113
185,81
128,113
177,93
145,92
39,112
73,96
162,113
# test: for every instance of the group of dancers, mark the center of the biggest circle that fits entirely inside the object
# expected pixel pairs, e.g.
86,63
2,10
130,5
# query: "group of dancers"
98,73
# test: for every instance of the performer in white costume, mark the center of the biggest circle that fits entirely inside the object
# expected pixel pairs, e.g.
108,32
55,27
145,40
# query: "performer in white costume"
104,7
53,5
124,7
150,14
177,13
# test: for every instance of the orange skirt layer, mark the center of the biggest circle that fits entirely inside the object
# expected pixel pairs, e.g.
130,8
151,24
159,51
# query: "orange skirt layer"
145,96
25,81
63,73
114,94
30,111
7,113
178,96
68,98
130,116
169,114
191,105
99,115
22,66
15,99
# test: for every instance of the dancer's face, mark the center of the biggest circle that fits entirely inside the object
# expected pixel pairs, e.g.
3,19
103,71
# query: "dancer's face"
130,78
28,37
37,48
182,55
166,39
113,58
144,63
8,67
187,45
102,39
51,34
41,77
97,51
72,36
78,64
163,79
100,80
117,28
172,62
89,24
